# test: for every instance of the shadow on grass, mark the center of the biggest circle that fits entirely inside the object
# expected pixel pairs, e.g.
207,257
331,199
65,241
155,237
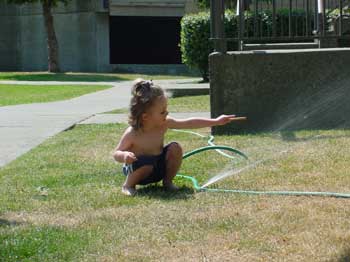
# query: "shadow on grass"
344,257
63,77
156,191
4,222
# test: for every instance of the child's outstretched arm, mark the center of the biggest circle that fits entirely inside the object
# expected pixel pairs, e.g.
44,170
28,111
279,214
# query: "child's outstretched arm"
121,153
198,122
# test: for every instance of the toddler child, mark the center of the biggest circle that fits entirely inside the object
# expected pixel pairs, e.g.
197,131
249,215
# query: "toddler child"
141,149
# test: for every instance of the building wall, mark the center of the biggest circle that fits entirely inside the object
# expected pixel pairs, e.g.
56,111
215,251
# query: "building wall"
9,38
32,43
102,43
82,30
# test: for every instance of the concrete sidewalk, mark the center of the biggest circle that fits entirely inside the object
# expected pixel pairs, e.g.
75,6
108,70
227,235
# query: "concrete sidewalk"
23,127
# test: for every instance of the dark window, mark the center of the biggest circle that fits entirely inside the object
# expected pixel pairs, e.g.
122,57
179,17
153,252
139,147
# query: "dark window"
144,40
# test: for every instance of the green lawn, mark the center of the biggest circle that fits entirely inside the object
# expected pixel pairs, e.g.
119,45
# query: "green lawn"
181,104
62,202
25,94
83,77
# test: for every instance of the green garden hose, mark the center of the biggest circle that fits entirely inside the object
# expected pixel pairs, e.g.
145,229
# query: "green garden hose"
212,146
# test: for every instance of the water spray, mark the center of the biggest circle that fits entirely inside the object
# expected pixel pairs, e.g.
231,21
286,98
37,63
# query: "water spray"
219,149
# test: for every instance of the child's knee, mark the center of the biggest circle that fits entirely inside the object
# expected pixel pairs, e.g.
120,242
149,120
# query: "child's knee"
174,151
136,177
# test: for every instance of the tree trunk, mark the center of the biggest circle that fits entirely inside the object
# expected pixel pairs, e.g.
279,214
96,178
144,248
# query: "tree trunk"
52,45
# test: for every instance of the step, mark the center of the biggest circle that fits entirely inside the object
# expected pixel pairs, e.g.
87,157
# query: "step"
306,45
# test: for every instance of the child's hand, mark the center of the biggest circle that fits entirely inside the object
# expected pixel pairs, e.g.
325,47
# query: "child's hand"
224,119
129,157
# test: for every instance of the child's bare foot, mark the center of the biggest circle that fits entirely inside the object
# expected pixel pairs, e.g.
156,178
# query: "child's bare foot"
170,186
129,191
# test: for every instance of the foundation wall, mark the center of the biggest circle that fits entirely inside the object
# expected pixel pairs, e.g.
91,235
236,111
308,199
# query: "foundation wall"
281,89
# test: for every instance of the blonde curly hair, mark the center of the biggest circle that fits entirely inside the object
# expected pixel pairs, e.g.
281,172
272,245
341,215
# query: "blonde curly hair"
144,93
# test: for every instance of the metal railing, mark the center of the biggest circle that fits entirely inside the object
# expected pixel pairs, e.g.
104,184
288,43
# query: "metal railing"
280,21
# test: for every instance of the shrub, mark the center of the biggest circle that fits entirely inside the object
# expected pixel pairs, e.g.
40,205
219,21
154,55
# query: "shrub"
195,33
194,43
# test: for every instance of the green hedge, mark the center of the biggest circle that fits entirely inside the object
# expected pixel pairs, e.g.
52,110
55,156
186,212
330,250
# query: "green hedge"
195,33
194,43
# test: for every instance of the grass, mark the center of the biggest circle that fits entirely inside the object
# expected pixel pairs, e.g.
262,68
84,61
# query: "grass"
189,104
181,104
82,77
25,94
62,202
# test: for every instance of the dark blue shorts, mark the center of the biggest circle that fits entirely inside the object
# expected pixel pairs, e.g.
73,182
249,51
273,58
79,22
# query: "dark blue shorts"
159,166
